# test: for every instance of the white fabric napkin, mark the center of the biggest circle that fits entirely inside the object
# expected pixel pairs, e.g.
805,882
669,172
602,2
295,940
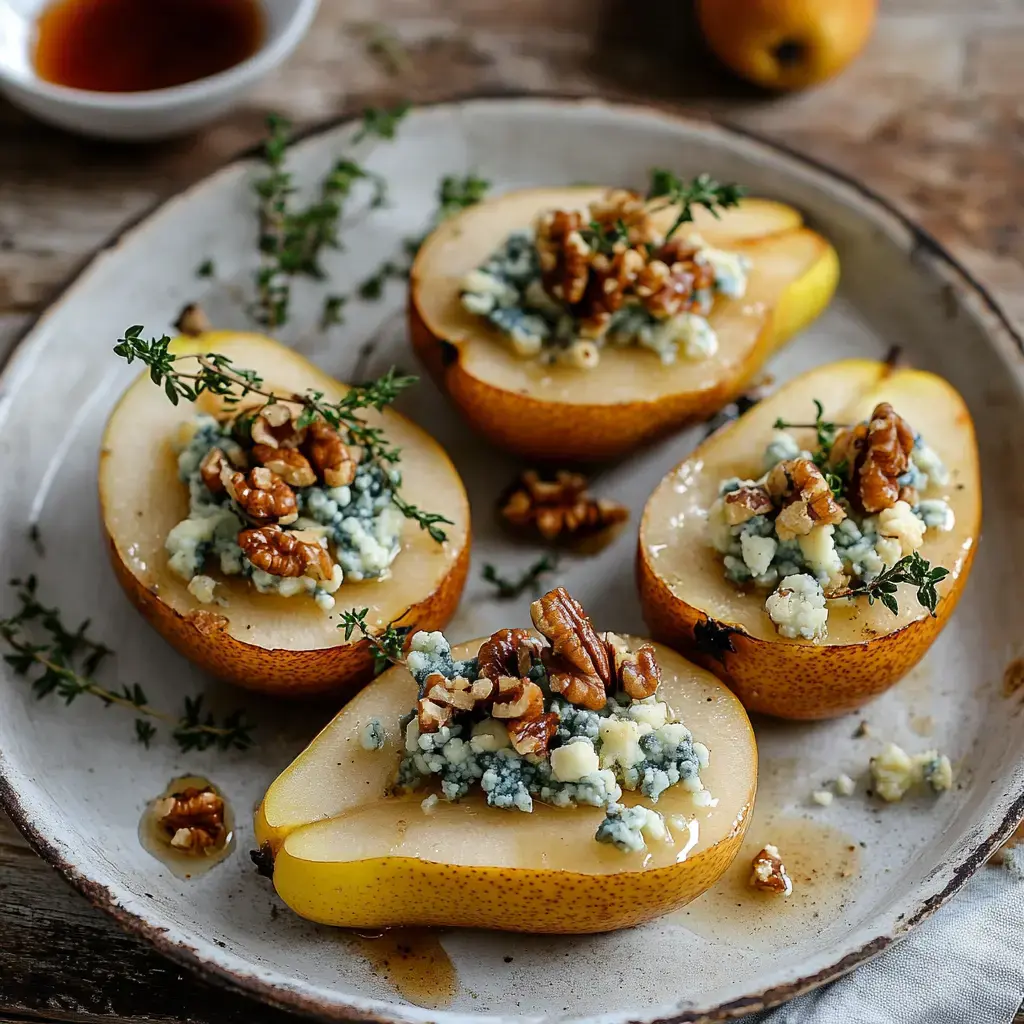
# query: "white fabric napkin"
964,965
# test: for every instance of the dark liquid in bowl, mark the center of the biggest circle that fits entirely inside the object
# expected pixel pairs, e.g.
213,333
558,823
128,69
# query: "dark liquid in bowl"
139,45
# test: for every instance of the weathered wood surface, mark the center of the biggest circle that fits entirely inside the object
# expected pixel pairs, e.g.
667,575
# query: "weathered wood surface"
930,116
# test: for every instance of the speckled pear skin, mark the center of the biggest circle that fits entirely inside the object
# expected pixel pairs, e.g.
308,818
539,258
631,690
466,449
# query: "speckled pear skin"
552,431
338,671
793,679
376,893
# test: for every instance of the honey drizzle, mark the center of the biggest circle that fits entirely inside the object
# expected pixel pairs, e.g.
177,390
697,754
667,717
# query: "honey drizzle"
414,962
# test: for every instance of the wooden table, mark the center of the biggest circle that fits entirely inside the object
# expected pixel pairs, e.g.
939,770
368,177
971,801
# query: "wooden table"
930,116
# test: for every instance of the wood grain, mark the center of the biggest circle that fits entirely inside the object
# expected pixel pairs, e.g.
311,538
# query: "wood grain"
929,116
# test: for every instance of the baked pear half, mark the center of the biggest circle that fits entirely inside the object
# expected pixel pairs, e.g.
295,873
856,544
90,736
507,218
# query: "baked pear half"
810,555
193,575
566,400
513,816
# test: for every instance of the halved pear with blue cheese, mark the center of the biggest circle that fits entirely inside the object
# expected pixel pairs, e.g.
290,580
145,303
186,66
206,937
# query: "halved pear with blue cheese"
689,602
554,411
347,853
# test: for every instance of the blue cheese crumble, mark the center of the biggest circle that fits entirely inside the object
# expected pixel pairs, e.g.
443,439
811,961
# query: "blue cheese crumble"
372,735
894,772
643,291
473,731
769,540
357,524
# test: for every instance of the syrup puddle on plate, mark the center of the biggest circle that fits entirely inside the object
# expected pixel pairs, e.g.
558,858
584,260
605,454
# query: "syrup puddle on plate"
155,838
824,864
414,962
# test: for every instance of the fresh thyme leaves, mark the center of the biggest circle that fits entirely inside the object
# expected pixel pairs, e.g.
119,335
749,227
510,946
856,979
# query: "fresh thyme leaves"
527,581
826,438
388,646
206,268
913,569
373,287
35,538
700,191
292,240
217,374
66,662
381,122
333,311
604,239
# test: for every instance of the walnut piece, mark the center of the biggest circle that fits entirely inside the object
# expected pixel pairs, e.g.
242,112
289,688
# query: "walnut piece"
745,503
287,553
193,819
262,495
612,279
622,206
330,456
275,426
578,664
508,652
564,255
530,728
637,672
806,498
212,470
560,509
768,873
876,455
192,321
288,463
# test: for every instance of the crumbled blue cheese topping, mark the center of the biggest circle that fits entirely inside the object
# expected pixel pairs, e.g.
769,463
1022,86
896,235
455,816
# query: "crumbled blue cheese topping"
507,291
894,772
633,745
801,570
629,828
359,525
372,735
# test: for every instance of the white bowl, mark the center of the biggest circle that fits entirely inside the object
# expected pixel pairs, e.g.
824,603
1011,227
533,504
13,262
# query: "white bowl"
139,115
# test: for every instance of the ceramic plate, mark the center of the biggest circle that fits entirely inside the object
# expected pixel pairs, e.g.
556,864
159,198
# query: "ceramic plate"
76,783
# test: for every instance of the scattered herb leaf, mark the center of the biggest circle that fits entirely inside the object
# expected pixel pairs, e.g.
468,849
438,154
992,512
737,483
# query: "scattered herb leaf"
604,239
527,581
66,662
333,311
206,268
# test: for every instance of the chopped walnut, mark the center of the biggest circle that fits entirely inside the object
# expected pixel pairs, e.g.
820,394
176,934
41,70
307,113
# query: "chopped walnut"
330,456
611,281
288,463
192,321
533,735
745,503
262,495
806,498
274,426
193,819
564,255
212,470
521,705
578,664
876,454
769,873
288,553
508,652
559,509
622,206
431,716
637,672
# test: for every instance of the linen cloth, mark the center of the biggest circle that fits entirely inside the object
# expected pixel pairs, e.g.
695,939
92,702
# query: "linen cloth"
964,965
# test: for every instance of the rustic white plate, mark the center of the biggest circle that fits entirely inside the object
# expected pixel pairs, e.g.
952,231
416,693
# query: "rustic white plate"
75,782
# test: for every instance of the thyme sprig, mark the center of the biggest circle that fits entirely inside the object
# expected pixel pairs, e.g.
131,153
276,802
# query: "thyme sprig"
388,646
703,191
913,569
604,239
217,374
64,663
826,432
292,240
527,581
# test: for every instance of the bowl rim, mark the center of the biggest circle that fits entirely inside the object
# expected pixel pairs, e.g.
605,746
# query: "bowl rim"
273,51
967,289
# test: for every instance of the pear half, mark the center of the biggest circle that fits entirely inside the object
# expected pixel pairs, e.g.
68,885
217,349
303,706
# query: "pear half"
689,603
283,645
347,854
562,413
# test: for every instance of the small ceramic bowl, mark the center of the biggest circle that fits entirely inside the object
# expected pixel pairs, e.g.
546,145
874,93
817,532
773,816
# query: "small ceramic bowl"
139,115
